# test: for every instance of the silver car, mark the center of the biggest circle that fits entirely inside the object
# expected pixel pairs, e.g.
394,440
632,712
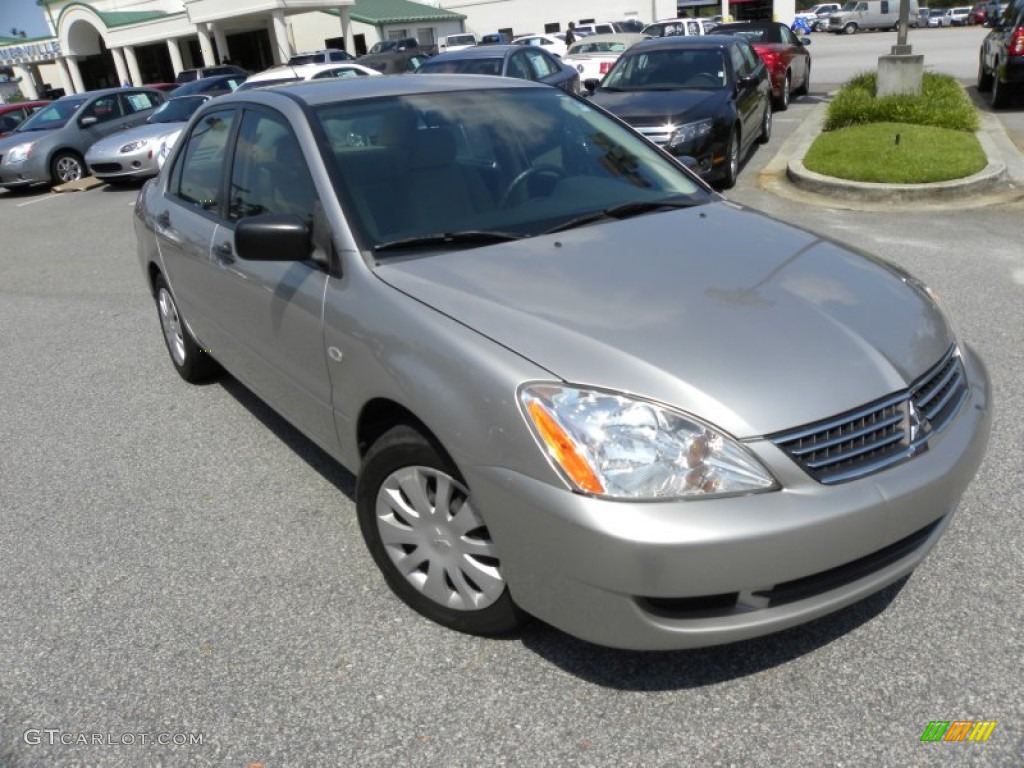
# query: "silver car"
50,147
135,153
474,293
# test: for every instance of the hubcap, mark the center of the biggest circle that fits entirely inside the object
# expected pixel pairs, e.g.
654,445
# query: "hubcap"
172,326
69,169
734,157
436,540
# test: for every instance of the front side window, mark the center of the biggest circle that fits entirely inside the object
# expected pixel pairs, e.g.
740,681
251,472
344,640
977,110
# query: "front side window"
268,172
103,109
139,101
541,64
200,167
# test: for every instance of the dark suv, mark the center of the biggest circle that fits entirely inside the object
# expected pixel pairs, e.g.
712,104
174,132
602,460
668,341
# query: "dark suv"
1001,59
188,75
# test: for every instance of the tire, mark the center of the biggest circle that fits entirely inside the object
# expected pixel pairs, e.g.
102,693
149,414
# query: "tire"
984,77
191,362
732,164
766,125
782,102
850,29
65,167
418,521
1000,93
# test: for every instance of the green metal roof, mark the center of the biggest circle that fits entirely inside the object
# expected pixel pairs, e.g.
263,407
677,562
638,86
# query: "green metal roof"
378,12
124,18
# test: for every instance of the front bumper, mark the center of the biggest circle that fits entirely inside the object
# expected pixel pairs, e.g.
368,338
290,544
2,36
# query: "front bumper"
659,576
35,170
116,165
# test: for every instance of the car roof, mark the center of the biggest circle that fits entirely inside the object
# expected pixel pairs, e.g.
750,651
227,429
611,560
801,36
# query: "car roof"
106,91
318,92
614,37
688,41
478,52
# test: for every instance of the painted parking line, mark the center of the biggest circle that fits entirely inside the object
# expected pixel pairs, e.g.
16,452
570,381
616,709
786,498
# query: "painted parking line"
37,200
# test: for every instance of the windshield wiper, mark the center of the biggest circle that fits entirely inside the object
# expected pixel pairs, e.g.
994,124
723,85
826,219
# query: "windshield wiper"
481,237
623,211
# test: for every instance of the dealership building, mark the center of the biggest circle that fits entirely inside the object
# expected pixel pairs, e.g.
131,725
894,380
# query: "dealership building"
105,43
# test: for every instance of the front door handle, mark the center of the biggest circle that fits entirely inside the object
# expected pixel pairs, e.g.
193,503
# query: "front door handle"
224,253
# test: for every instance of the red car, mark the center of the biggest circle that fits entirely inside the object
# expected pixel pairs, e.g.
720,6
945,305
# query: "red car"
11,115
783,52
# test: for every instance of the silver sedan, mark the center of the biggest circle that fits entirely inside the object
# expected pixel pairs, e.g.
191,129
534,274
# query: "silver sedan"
574,382
135,153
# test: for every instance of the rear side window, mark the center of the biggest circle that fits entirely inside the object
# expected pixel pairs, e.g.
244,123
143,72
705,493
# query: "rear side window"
197,176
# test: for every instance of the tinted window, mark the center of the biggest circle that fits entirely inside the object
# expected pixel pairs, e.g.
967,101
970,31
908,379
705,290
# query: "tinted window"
197,177
542,65
104,108
519,67
177,110
269,173
53,116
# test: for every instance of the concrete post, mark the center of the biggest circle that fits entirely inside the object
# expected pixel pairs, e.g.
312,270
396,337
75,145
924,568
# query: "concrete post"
222,43
346,28
133,65
76,75
206,45
899,74
28,82
122,70
282,49
176,63
65,77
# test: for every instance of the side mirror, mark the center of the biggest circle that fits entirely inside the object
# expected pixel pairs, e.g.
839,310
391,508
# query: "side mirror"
689,161
591,84
805,40
747,81
85,122
273,237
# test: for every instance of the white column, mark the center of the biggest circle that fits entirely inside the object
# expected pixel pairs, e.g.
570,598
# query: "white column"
222,43
206,45
176,63
725,12
133,64
76,75
65,77
279,44
122,70
346,28
28,82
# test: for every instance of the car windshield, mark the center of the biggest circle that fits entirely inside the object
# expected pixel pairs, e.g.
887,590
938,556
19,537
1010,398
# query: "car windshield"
668,69
53,116
476,166
469,66
177,110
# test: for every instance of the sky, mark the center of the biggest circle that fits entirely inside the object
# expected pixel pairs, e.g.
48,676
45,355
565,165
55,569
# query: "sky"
23,14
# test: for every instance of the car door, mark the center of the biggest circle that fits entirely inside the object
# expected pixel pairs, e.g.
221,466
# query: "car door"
271,311
101,117
186,217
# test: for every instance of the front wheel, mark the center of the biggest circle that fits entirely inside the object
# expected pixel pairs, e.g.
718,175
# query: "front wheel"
984,77
191,362
1000,95
850,29
420,524
766,125
65,167
732,161
782,102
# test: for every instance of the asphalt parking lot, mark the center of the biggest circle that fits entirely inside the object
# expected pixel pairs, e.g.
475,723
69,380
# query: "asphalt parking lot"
184,582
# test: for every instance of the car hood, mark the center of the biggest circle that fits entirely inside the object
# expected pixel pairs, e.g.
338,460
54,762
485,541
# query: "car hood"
747,322
147,131
656,107
13,139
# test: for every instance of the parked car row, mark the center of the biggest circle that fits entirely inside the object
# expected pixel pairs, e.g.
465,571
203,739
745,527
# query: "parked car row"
1001,58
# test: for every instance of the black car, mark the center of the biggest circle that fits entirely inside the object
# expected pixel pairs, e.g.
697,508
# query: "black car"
1001,60
211,86
188,75
524,62
707,97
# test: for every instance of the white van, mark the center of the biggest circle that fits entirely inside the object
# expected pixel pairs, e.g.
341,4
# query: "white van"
870,14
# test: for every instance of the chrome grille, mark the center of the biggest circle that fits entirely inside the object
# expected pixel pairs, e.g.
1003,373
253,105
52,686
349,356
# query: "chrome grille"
879,434
659,134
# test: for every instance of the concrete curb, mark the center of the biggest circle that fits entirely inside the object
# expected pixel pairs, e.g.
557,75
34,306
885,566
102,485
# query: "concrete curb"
1002,177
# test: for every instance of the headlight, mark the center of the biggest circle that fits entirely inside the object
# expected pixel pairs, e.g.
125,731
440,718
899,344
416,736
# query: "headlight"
133,146
19,154
690,132
617,446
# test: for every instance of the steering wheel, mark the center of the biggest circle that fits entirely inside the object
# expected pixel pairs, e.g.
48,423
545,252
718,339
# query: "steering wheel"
521,178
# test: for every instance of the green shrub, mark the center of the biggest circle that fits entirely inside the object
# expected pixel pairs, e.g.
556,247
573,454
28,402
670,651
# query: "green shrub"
942,104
